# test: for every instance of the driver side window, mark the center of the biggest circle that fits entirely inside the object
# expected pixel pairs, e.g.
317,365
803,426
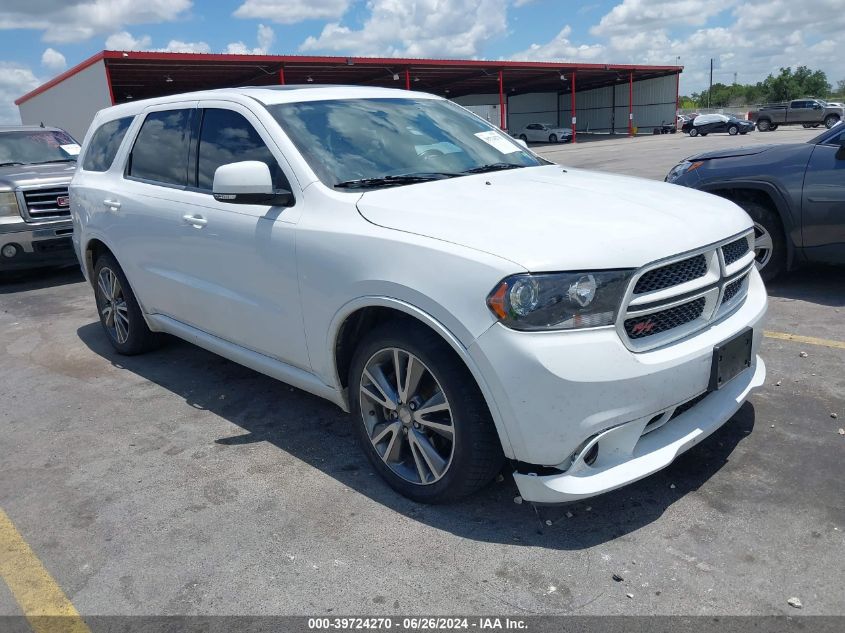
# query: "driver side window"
227,137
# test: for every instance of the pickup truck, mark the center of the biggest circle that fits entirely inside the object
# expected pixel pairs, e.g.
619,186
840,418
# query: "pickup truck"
36,165
806,112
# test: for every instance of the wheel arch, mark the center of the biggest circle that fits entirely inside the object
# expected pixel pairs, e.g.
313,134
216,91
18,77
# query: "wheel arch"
768,195
362,314
94,248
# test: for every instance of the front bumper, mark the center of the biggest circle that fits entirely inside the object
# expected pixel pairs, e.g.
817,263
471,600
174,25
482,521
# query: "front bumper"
37,245
558,393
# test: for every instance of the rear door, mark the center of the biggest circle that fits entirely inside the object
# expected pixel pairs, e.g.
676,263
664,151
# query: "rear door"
823,208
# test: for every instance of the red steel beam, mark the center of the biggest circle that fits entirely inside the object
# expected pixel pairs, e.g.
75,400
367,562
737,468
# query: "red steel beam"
574,118
631,104
407,78
281,75
502,121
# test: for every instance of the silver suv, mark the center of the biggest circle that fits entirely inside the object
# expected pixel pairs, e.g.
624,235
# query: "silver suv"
36,165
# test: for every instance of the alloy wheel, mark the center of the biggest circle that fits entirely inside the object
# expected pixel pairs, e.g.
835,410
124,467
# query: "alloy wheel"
763,246
407,416
113,308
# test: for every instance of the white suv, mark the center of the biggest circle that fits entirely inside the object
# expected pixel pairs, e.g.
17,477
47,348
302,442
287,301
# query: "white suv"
466,300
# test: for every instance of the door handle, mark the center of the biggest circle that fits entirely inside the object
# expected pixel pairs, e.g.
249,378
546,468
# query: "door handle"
196,221
111,205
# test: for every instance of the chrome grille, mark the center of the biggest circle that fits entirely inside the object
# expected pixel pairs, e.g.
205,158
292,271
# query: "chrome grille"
672,275
735,250
44,203
657,322
731,289
674,298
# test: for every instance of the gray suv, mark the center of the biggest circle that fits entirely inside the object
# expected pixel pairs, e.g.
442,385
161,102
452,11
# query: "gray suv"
36,165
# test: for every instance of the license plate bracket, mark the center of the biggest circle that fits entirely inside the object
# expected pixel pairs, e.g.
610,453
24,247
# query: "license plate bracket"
731,358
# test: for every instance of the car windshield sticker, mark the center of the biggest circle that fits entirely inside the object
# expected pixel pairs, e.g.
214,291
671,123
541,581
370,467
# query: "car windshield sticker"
71,149
494,139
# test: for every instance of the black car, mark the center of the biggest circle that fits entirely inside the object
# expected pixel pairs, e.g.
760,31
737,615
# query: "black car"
795,193
705,124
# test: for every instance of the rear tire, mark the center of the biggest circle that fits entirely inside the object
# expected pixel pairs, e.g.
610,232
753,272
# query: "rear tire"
733,130
830,120
523,138
770,246
474,451
693,132
120,314
764,125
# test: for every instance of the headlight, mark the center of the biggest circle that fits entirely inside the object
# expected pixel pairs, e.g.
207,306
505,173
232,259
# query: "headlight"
559,301
682,168
8,204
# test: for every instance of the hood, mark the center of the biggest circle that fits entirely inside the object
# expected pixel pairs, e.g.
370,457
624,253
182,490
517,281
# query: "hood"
13,176
552,219
732,152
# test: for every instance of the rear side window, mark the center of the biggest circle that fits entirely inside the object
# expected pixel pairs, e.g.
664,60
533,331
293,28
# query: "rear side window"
227,137
104,144
160,152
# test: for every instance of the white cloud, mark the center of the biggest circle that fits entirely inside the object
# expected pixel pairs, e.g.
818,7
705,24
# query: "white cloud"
15,81
266,36
561,49
292,11
417,28
53,60
178,46
79,20
637,15
125,41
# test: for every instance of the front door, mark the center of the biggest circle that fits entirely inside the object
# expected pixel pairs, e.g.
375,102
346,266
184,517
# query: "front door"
823,208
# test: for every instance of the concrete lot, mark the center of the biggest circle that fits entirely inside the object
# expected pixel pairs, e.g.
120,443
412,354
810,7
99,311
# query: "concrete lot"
181,483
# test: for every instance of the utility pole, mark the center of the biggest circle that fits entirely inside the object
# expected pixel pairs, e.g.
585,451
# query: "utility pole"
710,89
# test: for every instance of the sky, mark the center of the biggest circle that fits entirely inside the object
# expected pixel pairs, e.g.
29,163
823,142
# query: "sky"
750,38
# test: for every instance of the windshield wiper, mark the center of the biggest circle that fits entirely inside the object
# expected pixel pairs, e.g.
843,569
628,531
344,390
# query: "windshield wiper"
57,160
399,179
9,164
492,167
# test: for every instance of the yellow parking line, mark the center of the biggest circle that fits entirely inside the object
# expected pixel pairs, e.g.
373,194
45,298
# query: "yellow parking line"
42,601
809,340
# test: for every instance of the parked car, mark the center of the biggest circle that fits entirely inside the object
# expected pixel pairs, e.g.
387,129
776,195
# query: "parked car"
795,193
664,128
705,124
36,165
545,133
797,112
466,307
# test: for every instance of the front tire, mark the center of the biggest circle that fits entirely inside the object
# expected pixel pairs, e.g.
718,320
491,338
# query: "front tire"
770,243
120,314
552,138
419,415
523,138
831,120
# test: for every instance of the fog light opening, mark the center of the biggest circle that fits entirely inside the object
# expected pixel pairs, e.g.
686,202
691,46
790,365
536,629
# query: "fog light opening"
592,454
9,251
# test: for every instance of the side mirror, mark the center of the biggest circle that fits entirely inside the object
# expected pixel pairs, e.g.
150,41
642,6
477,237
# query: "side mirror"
248,182
521,142
840,153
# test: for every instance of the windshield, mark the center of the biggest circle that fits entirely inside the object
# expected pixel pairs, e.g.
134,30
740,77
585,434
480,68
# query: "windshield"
29,147
351,140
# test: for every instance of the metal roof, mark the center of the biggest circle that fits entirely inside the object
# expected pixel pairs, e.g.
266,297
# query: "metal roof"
140,75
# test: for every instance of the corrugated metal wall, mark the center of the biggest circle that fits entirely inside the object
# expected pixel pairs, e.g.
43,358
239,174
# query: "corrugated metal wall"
70,104
598,110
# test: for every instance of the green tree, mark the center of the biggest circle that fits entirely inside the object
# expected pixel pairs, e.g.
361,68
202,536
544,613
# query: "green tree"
789,84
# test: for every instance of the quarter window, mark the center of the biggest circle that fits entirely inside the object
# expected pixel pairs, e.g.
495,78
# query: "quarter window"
227,137
160,152
104,144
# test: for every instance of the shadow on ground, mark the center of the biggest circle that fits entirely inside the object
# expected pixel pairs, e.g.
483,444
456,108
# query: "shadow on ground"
320,434
38,279
823,285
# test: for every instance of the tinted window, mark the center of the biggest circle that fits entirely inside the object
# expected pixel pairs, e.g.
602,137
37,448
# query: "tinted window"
104,144
227,137
161,149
